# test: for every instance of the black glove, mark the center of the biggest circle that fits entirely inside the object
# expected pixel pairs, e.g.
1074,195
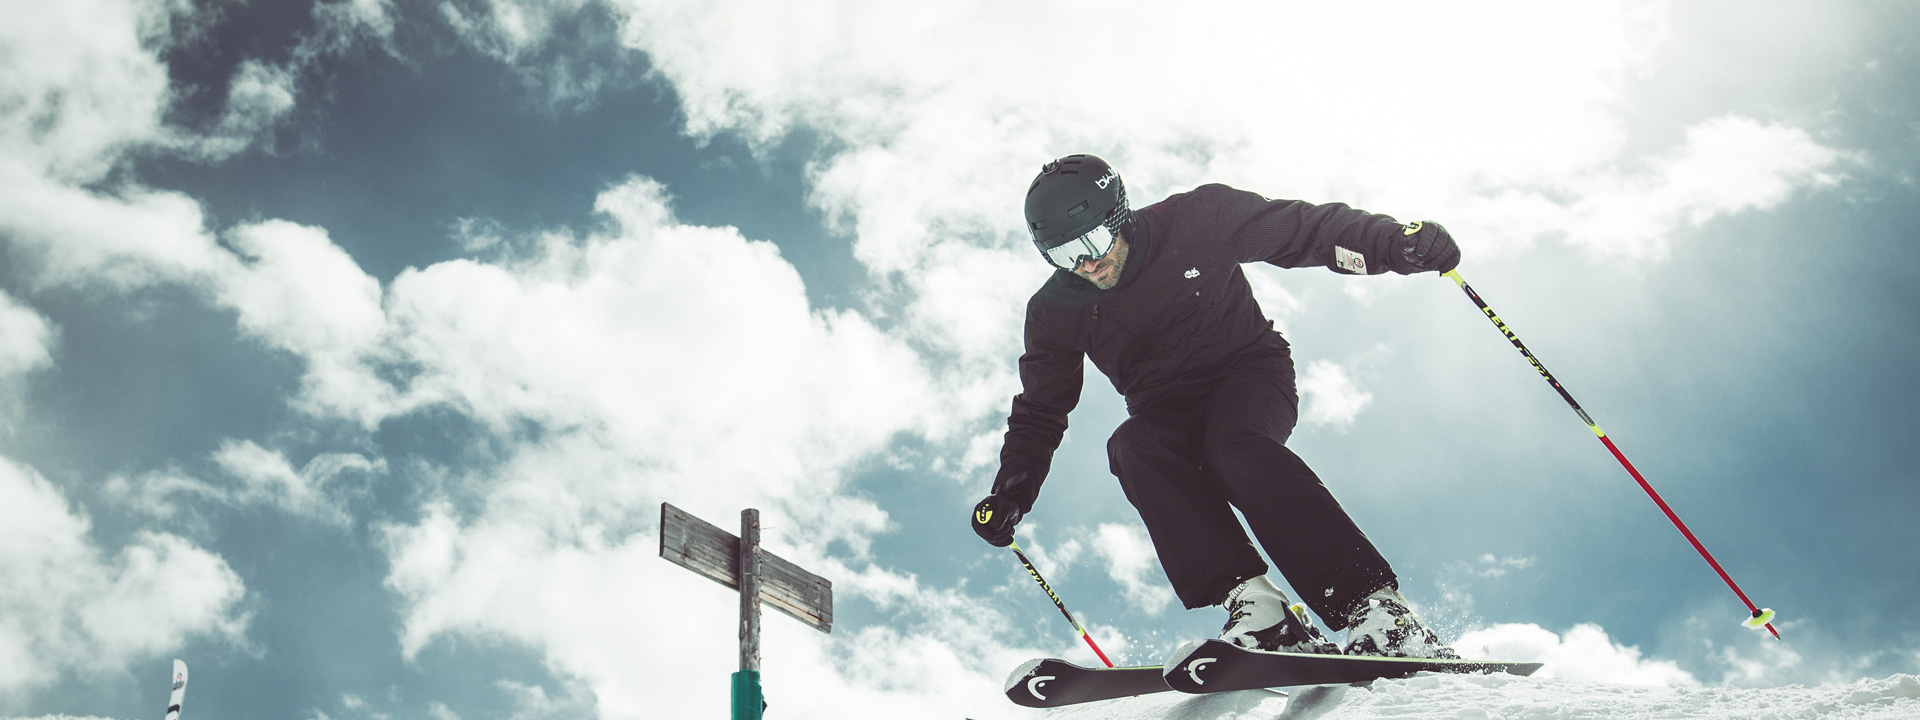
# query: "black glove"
1424,246
994,518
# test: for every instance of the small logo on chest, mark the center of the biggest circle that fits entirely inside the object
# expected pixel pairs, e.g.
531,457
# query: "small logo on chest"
1192,273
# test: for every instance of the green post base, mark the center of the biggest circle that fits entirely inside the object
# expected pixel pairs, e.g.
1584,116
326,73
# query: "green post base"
748,702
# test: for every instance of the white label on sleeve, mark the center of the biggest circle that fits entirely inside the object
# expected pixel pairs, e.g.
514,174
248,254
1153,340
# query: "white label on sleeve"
1349,261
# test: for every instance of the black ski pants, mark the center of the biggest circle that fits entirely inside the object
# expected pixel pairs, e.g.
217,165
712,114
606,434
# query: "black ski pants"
1186,466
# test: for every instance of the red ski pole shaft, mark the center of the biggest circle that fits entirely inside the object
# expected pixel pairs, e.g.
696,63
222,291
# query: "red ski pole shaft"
1454,275
1056,603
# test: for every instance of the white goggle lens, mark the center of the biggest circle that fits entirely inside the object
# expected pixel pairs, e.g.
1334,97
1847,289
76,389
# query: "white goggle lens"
1091,246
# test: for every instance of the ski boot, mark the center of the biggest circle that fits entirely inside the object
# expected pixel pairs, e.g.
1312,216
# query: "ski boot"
1384,626
1259,617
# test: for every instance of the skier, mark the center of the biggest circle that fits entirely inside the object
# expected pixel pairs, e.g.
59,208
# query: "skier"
1156,298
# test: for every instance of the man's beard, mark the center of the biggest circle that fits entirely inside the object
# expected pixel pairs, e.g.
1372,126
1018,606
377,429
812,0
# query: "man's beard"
1118,257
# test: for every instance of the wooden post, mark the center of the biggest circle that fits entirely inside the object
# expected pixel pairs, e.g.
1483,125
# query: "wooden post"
714,553
749,700
750,590
760,576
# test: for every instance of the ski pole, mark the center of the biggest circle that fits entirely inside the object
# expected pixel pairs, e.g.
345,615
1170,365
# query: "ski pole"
1056,603
1762,617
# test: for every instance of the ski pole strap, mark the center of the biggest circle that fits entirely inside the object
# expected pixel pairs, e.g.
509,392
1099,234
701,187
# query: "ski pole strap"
1056,602
1762,617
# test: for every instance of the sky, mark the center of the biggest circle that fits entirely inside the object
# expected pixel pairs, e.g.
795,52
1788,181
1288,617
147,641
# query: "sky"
349,348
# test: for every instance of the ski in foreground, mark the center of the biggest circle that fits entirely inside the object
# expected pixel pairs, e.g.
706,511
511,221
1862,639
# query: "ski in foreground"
1048,682
1209,666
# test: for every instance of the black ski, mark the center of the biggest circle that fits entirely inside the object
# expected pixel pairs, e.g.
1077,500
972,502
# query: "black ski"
1217,666
1048,682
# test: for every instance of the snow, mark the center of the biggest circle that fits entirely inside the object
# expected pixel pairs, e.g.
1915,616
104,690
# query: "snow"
1507,697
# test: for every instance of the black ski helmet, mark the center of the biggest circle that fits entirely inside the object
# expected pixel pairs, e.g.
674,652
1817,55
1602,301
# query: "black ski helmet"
1076,198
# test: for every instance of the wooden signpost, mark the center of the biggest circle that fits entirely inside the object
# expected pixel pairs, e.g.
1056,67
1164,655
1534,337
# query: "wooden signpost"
760,576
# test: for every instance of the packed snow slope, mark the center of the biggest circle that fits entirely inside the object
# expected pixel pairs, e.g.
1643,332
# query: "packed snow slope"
1496,697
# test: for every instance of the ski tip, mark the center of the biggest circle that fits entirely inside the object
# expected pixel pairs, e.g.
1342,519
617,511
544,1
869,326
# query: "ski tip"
1020,674
1180,653
1521,669
1760,620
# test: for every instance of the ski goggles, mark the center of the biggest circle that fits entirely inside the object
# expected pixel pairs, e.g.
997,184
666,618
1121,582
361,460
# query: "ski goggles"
1072,251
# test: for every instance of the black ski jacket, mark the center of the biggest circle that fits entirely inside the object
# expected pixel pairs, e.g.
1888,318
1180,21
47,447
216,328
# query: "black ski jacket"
1181,314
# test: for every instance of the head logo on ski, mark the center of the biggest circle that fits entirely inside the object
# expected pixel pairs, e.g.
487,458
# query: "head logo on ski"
1193,669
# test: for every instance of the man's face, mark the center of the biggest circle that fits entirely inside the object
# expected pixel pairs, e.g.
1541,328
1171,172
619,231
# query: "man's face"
1105,272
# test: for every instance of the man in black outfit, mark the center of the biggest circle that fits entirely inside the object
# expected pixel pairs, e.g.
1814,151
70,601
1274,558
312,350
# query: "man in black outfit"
1156,298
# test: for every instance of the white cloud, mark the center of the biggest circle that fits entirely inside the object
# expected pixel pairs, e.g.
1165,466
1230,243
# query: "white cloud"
313,491
596,609
1328,396
119,239
1456,585
1278,303
508,30
87,88
563,50
1771,664
259,96
256,476
531,702
664,362
655,358
27,340
1491,566
1584,654
80,84
262,95
1132,563
1059,560
1726,165
297,291
166,494
343,25
943,114
1811,653
677,352
69,606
